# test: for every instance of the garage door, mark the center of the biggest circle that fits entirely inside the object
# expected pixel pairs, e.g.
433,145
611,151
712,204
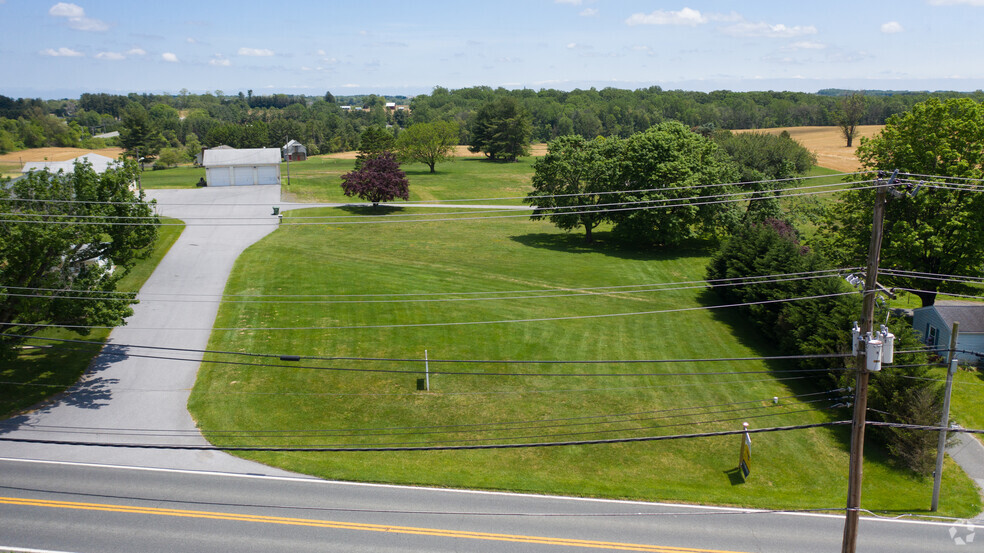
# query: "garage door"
268,175
243,175
218,176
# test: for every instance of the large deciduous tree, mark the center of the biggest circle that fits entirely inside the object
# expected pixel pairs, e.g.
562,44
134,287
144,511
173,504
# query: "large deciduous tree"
501,129
378,180
67,235
569,180
850,110
762,159
938,230
664,172
428,143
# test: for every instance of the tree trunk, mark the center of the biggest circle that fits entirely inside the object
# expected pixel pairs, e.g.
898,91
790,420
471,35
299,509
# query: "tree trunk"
588,239
850,141
928,297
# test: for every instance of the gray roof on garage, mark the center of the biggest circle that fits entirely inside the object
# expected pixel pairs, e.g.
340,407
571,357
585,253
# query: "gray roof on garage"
246,156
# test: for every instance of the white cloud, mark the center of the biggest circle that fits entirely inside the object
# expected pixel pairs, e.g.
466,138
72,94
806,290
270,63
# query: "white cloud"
322,53
136,52
115,56
260,52
806,45
64,9
350,85
763,29
61,53
956,2
219,61
686,16
76,17
170,57
891,27
588,12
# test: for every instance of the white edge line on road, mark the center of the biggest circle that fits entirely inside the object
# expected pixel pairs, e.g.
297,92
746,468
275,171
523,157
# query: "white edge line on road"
6,548
314,480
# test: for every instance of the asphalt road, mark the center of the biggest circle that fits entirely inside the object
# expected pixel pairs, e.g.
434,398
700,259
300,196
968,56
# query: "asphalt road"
68,507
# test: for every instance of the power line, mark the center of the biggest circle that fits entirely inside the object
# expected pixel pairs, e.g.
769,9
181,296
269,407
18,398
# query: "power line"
595,292
930,276
683,202
458,373
953,294
524,391
438,360
754,280
473,200
464,323
427,448
925,427
548,210
463,427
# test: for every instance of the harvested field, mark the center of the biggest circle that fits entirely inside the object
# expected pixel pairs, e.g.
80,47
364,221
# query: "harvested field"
55,154
827,143
12,163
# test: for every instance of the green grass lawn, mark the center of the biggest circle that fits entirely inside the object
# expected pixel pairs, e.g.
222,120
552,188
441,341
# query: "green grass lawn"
965,401
319,180
804,210
175,177
234,405
37,374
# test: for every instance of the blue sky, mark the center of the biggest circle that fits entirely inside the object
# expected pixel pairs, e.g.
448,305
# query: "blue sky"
60,49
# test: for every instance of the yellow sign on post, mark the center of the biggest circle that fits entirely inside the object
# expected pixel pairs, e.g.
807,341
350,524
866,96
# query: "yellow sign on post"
745,457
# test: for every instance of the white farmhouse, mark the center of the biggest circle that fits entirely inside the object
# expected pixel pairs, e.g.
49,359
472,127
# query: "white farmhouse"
242,167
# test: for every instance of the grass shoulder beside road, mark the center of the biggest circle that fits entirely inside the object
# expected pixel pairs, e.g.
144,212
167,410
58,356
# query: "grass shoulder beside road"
365,267
39,373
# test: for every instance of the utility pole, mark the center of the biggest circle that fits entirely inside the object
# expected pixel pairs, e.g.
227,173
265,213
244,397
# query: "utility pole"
861,389
945,422
287,151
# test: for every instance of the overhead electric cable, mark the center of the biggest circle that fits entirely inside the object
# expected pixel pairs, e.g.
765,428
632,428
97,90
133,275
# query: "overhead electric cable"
95,429
598,292
8,438
683,202
470,200
752,279
438,360
465,323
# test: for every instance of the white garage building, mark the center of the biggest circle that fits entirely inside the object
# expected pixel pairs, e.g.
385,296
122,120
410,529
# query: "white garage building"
242,167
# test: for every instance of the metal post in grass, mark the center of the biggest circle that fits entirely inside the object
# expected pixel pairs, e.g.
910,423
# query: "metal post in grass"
427,378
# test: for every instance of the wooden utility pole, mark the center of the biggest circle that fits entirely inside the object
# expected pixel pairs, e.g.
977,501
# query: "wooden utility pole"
945,422
861,389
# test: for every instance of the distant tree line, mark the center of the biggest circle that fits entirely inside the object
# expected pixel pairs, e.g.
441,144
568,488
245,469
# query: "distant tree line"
320,123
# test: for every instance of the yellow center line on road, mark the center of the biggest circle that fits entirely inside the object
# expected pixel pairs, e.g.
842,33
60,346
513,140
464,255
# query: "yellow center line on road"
240,517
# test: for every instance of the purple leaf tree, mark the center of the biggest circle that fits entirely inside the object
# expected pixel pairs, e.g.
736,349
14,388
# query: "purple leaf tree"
378,180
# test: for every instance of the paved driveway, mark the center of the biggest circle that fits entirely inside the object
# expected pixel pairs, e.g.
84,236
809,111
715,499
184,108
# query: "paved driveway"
140,400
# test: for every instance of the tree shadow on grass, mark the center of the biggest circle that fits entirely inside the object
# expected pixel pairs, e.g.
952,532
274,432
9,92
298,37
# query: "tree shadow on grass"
381,209
90,391
604,244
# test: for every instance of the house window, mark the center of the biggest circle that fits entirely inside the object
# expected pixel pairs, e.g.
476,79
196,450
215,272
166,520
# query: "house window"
932,335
